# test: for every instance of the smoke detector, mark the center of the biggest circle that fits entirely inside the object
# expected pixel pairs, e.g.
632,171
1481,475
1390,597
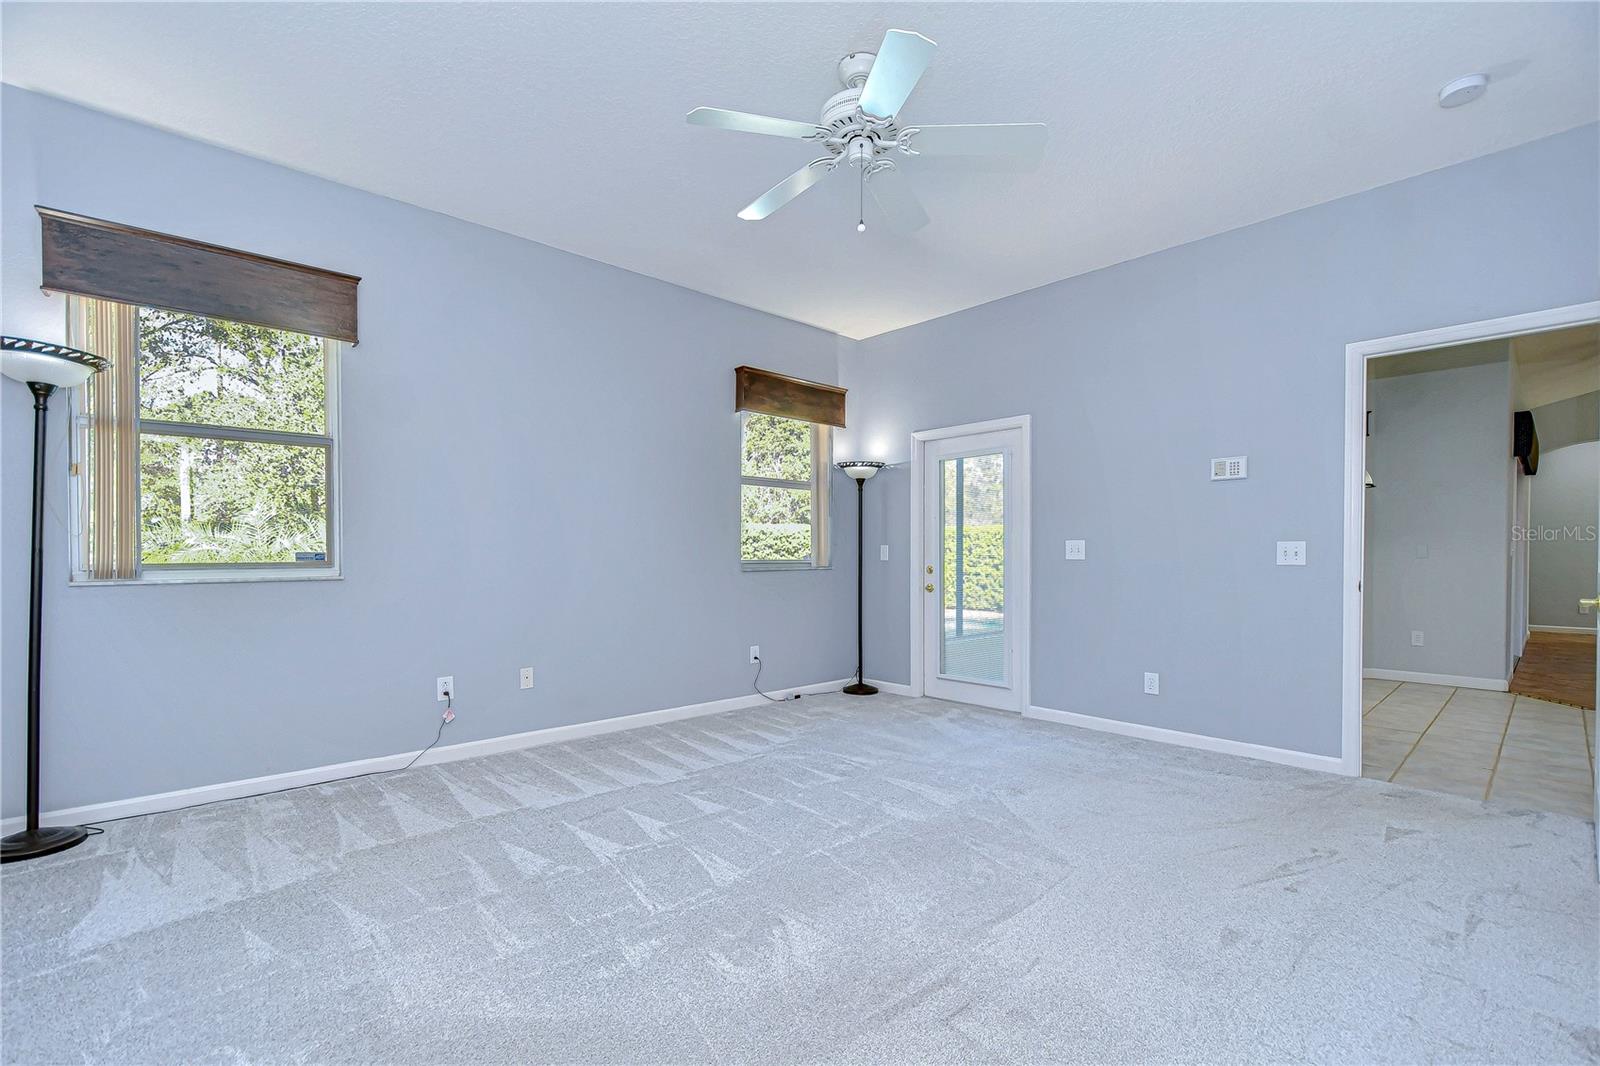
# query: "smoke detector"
1464,90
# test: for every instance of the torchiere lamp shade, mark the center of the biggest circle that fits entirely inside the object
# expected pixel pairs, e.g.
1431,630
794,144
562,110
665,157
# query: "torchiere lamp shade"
48,364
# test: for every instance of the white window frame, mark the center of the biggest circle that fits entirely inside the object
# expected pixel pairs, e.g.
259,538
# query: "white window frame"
212,573
820,487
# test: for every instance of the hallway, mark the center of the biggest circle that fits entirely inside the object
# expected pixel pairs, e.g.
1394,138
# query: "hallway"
1558,667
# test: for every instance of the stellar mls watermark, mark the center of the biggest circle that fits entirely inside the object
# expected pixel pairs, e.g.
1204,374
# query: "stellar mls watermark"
1550,533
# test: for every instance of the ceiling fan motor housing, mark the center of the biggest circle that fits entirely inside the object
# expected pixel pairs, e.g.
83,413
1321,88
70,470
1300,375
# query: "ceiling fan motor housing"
854,137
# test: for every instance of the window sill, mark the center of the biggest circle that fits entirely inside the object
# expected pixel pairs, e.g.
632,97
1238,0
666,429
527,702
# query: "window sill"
764,568
201,577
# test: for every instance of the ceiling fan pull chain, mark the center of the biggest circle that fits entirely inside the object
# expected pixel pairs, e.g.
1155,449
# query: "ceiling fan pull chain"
861,200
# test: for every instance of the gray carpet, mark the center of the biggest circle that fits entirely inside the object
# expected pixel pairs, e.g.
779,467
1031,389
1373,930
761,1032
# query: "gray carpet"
873,881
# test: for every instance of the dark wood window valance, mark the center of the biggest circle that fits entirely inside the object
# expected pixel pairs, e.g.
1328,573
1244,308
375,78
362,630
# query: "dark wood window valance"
91,257
787,397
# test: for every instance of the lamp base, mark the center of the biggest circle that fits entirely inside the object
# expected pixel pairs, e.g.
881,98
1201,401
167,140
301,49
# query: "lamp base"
860,689
47,841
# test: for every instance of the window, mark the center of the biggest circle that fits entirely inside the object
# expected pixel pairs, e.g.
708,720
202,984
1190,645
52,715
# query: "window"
216,456
783,492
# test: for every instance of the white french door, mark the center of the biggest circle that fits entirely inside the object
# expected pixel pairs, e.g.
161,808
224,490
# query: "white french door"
973,579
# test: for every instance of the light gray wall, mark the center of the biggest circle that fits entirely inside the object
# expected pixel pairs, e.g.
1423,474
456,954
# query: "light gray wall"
540,467
1566,510
1568,421
1439,520
1137,374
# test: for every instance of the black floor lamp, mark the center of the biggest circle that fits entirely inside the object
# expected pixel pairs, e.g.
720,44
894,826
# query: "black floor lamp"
860,470
44,368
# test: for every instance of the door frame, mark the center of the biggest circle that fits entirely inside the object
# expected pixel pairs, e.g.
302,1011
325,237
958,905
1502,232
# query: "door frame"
1020,594
1355,446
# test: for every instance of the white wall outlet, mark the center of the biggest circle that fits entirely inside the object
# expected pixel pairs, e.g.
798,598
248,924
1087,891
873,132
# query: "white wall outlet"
1075,549
1291,553
883,552
1152,684
755,653
1230,468
1416,638
444,688
525,677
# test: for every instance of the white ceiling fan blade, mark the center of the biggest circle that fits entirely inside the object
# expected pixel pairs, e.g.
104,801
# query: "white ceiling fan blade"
901,59
787,189
895,198
1025,139
744,122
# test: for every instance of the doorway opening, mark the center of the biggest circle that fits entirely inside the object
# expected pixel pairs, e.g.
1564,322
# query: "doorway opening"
1472,561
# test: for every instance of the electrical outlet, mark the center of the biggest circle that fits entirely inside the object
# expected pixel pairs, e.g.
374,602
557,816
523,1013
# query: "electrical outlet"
1291,553
1416,638
1152,684
445,687
1075,549
883,552
755,653
525,677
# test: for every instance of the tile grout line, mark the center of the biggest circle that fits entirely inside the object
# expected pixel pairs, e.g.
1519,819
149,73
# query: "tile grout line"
1424,733
1500,750
1386,695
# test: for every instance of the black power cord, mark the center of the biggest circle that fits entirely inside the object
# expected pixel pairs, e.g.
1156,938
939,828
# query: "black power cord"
756,684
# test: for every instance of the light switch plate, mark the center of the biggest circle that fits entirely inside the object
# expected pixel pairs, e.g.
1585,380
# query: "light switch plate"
1291,553
1075,549
1416,638
525,677
883,552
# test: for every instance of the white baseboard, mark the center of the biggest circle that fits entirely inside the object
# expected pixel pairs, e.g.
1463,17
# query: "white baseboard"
471,749
1452,680
1561,629
1305,760
894,688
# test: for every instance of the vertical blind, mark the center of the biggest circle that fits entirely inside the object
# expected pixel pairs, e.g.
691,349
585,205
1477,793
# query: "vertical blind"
110,447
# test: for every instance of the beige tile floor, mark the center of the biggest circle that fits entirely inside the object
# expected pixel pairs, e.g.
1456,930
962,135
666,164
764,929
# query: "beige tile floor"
1493,746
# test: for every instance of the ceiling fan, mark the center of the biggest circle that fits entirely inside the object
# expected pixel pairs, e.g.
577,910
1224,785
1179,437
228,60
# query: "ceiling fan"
860,127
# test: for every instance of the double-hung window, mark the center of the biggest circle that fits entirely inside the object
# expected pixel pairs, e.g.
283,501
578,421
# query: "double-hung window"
783,492
211,456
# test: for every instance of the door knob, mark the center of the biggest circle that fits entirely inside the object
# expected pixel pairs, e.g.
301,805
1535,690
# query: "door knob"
928,587
1589,603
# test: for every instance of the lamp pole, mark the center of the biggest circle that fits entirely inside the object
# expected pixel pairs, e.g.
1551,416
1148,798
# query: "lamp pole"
860,470
43,367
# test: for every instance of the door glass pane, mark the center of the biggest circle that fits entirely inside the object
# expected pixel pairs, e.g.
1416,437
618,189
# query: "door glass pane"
227,501
972,643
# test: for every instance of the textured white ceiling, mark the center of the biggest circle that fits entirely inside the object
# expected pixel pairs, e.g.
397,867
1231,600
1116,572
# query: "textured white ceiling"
564,123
